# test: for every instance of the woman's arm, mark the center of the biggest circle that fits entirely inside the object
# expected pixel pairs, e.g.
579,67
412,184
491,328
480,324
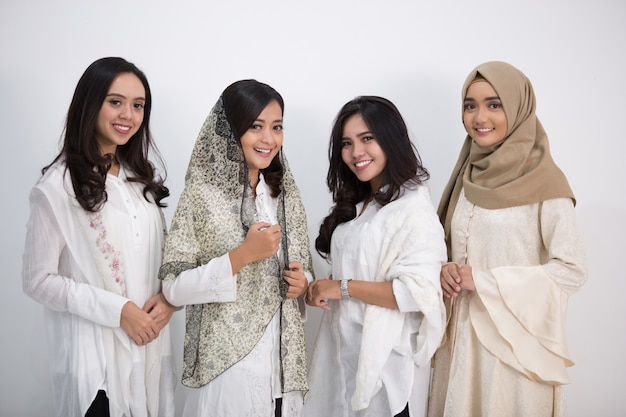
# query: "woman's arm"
376,293
41,280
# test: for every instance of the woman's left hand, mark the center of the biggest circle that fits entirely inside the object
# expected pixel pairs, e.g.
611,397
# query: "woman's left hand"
296,279
160,310
322,290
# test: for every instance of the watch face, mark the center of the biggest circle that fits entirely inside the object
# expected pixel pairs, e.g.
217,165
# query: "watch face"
344,288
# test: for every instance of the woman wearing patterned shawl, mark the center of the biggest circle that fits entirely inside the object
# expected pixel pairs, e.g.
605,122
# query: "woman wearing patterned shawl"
238,257
515,258
385,315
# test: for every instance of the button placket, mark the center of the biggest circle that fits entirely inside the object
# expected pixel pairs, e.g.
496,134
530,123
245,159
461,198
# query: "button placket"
131,209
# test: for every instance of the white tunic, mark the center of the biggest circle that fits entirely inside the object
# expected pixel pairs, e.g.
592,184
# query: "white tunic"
65,269
371,361
249,387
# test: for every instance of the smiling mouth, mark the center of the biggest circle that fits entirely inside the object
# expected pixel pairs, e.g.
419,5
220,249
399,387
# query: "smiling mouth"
362,164
263,151
484,130
122,128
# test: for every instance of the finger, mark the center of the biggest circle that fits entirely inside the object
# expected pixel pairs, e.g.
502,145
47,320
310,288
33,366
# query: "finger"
296,266
447,288
451,283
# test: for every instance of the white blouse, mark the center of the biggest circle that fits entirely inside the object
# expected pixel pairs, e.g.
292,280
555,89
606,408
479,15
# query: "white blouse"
371,361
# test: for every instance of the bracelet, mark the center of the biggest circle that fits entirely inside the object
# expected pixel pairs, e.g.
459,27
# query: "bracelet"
343,284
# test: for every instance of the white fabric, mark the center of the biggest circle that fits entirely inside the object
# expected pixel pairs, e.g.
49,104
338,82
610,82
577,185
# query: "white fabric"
64,269
249,387
370,361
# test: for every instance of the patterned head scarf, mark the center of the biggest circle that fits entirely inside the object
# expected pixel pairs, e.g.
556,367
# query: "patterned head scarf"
515,171
213,215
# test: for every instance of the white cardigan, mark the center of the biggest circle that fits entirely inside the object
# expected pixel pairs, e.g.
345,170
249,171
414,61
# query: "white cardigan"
69,268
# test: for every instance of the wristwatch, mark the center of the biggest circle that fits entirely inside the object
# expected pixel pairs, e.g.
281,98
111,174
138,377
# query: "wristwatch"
343,284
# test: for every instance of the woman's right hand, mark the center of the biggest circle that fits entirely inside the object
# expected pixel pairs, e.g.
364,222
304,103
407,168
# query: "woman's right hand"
455,278
262,241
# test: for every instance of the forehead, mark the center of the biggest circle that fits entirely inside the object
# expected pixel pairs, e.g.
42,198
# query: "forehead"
128,85
480,89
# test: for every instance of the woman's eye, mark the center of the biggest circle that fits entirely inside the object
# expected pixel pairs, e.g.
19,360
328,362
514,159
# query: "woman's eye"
278,127
139,105
469,107
345,143
495,105
115,102
368,138
255,127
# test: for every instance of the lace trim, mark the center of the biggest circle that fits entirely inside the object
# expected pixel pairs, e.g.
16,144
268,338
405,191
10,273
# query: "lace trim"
111,255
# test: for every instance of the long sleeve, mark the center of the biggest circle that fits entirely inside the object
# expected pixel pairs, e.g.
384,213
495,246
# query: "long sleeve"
212,282
526,261
45,255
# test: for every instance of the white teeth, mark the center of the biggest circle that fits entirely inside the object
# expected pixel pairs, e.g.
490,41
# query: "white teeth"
484,130
266,151
362,163
120,127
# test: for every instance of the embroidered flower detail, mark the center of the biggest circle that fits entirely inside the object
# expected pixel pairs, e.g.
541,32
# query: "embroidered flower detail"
111,255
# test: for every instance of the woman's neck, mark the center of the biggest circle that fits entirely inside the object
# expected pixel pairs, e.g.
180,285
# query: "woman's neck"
254,179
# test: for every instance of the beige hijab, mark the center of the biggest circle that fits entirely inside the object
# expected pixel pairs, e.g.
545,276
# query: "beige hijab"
517,170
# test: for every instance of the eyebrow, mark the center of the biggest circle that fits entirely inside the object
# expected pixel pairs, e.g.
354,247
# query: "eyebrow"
123,96
263,120
486,98
360,135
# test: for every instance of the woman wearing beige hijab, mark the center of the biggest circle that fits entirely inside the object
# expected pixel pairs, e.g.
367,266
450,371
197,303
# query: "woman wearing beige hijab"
515,258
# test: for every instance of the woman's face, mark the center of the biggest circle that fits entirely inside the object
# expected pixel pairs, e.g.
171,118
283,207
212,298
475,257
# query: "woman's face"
483,115
361,152
121,114
263,139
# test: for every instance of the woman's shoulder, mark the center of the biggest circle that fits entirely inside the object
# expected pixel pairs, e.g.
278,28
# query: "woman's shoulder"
52,177
412,195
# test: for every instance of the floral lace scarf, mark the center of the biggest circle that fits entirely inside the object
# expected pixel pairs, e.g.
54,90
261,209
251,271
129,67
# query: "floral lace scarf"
213,215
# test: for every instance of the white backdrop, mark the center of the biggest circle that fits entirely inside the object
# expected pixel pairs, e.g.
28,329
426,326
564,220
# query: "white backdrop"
319,55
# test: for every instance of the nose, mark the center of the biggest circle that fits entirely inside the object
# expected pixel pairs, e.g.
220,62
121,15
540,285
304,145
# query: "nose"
126,111
268,135
481,114
357,150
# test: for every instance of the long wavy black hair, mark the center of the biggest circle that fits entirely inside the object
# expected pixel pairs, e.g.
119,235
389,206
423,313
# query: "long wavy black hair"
86,164
403,165
244,100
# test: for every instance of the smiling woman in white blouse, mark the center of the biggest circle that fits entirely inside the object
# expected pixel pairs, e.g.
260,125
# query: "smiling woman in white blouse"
384,313
93,248
238,258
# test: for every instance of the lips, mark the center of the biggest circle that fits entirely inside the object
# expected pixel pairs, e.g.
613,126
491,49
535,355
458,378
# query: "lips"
361,165
121,128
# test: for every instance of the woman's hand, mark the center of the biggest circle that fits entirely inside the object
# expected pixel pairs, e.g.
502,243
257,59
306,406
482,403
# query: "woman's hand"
262,241
455,278
296,279
138,324
321,290
160,310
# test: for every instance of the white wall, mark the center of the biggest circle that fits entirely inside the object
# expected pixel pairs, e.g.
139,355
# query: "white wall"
319,55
